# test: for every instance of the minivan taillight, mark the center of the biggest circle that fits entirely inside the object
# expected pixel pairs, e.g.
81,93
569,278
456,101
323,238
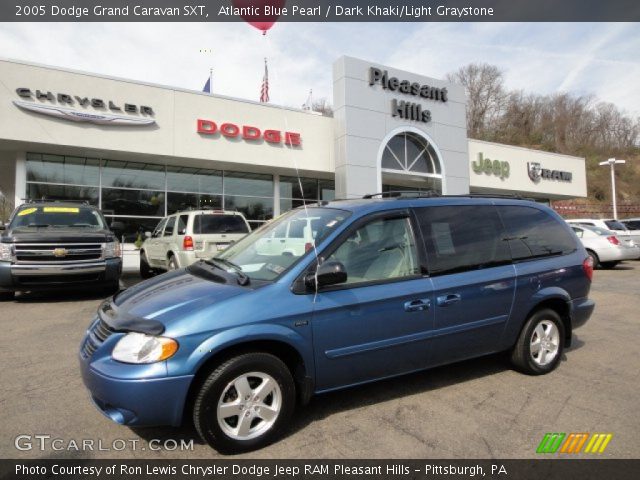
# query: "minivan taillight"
187,243
308,246
614,240
587,266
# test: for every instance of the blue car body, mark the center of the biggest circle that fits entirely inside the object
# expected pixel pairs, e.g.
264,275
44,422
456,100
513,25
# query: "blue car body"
337,338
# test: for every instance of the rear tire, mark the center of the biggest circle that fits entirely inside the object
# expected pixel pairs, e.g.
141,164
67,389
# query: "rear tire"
145,270
172,264
7,296
609,265
540,344
245,404
594,257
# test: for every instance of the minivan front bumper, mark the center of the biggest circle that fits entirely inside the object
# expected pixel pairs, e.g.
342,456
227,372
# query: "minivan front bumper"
137,402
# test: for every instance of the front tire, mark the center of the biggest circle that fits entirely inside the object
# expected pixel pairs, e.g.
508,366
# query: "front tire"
245,404
540,344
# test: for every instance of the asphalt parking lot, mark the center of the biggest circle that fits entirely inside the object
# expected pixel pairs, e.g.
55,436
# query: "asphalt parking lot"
476,409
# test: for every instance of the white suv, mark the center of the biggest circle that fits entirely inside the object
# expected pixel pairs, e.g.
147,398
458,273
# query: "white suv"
186,237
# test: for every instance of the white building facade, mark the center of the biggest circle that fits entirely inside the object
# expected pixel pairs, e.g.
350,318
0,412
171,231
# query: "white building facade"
141,151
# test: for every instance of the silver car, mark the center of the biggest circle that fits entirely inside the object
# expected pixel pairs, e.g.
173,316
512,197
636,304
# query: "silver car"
604,246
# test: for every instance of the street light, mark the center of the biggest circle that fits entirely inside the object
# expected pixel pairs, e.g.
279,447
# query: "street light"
611,162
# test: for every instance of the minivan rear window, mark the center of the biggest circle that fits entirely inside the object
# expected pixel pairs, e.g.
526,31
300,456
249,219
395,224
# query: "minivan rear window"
532,233
214,223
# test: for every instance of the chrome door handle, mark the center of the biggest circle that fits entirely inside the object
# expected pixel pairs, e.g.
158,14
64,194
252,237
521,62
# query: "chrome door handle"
448,299
417,305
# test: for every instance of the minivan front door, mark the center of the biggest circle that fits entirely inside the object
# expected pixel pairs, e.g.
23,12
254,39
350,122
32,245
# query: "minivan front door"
473,279
376,324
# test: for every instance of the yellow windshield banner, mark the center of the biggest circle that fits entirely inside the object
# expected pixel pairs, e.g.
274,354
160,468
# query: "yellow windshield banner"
61,210
26,211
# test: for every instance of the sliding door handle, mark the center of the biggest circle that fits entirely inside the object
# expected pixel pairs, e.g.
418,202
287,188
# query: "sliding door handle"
448,299
417,305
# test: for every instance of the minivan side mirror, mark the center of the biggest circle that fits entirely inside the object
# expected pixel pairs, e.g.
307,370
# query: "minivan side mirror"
147,234
329,273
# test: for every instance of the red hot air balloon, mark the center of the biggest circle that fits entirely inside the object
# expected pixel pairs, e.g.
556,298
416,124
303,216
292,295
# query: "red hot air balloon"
268,12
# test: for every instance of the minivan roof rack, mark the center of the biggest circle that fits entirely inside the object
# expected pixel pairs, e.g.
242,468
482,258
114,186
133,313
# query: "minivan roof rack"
404,193
493,195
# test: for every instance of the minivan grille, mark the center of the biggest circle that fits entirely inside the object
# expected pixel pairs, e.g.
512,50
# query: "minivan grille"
51,252
95,337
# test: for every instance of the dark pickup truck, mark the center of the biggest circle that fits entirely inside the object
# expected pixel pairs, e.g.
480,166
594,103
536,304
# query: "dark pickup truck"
48,245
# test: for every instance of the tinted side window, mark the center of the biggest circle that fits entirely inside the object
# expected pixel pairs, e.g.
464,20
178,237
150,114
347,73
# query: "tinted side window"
461,238
168,230
533,233
212,223
632,224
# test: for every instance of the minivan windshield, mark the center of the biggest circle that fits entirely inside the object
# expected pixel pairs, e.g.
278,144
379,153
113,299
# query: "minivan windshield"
268,252
51,216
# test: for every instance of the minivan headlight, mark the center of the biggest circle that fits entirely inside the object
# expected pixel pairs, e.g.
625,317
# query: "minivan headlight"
5,252
112,249
141,348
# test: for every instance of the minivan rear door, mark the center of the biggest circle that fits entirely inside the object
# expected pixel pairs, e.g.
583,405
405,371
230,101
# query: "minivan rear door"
473,279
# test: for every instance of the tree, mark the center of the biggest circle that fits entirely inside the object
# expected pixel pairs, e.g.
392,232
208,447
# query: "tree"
485,95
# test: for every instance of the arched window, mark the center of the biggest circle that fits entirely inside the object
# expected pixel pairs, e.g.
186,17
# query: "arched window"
412,154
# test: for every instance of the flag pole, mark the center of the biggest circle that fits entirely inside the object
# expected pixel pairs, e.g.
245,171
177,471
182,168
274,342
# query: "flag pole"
210,81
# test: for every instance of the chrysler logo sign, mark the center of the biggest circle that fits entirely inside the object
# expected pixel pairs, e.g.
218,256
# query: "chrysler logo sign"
84,109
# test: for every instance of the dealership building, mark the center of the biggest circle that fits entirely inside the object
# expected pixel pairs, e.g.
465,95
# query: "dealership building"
140,151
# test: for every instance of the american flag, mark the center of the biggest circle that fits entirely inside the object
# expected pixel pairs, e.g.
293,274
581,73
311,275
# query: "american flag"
264,91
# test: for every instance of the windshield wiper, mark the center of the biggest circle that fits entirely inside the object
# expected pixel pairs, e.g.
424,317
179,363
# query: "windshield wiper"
38,225
243,278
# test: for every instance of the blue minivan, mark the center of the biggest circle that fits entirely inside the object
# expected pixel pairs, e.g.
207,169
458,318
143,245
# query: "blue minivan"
383,286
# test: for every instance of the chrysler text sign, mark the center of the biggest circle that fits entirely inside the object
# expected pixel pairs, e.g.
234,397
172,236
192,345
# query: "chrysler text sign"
77,108
247,132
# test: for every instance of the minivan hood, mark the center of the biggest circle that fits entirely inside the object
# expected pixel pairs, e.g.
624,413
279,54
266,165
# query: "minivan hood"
172,296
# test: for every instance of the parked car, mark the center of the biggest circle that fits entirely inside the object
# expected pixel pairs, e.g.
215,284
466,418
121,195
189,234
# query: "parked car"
186,237
633,225
57,244
617,227
604,246
390,286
